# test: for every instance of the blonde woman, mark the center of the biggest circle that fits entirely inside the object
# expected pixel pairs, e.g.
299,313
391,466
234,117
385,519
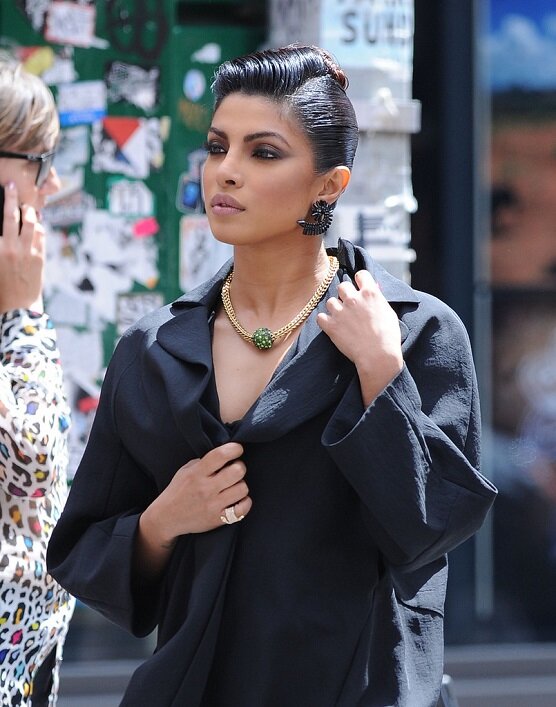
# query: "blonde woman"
34,610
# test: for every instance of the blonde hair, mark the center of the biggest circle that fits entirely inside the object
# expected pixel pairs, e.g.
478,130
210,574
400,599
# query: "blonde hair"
28,115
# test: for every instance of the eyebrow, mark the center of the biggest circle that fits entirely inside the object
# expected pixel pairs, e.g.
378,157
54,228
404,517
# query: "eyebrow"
252,136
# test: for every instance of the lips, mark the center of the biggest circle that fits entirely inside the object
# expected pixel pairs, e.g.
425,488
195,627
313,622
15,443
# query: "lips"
224,204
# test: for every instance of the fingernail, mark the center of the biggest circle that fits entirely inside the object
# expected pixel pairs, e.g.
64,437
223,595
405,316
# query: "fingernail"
10,185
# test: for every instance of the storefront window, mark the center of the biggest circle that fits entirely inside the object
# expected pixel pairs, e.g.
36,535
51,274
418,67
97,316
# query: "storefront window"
521,56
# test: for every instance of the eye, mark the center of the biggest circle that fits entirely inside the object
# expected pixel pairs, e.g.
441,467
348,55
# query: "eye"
266,153
214,148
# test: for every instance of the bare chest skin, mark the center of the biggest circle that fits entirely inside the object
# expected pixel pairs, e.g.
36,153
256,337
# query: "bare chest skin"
241,371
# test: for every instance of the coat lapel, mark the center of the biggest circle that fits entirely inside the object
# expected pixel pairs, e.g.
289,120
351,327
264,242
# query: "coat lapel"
186,365
313,379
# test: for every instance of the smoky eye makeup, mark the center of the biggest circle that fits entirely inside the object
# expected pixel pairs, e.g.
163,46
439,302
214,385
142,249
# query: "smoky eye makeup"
266,152
213,147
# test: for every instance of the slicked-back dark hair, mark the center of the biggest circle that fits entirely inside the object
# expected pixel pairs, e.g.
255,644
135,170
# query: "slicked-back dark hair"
311,84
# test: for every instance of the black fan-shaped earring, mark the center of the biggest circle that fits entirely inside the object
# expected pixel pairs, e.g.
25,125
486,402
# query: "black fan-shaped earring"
321,212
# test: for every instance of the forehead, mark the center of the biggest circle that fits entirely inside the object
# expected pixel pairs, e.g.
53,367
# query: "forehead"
241,114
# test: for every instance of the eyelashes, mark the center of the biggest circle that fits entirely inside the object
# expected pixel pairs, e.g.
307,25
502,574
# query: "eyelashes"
260,152
213,148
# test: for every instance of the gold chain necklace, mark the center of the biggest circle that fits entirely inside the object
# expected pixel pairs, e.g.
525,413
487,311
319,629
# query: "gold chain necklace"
262,337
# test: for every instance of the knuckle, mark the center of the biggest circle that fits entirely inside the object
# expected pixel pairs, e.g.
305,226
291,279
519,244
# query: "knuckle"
236,470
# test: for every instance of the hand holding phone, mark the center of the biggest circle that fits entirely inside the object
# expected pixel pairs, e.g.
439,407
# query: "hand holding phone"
2,199
21,255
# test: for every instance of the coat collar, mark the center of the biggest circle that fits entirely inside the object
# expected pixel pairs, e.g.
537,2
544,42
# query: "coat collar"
352,258
313,378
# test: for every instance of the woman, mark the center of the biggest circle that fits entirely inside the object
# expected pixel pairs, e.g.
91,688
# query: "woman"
34,610
275,474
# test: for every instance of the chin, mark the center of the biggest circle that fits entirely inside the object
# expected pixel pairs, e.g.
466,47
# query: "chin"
231,236
223,237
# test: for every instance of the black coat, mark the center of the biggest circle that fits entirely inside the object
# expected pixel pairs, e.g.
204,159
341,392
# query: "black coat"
331,591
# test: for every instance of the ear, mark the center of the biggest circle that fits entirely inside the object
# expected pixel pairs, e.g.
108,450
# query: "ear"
334,183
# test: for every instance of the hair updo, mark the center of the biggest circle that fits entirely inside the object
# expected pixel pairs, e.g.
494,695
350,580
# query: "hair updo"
311,84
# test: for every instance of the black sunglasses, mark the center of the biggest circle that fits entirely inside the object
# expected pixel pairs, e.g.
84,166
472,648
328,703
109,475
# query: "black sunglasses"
45,162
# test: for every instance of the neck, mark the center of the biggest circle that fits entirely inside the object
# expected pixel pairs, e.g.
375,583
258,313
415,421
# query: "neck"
269,284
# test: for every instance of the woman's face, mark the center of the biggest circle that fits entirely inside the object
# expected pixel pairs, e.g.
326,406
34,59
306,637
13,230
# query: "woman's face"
259,177
24,174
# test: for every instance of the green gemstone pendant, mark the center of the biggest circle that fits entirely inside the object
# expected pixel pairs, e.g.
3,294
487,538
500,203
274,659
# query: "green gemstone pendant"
262,338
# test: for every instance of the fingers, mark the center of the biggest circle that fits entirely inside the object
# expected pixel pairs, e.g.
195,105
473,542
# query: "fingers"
20,225
365,284
11,214
365,281
234,495
349,294
235,512
219,457
209,485
29,227
39,240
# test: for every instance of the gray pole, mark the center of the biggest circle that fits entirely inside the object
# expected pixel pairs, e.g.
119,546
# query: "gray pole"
373,42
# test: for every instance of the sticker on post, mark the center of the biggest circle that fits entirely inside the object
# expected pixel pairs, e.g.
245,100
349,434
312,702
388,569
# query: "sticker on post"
201,255
132,306
129,198
70,23
134,84
126,145
81,102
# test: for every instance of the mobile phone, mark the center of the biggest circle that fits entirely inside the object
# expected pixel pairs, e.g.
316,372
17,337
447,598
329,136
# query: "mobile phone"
2,213
1,209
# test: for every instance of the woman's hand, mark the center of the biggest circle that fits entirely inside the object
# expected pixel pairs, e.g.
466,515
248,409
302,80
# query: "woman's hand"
21,256
365,328
193,502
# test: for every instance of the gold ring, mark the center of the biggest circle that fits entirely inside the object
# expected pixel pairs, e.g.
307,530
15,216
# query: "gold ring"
230,516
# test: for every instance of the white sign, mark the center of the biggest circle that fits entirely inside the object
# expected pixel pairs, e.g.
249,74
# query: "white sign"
360,33
293,20
70,23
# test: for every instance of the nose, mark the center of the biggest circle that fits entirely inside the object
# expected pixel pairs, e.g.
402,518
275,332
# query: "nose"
52,183
228,172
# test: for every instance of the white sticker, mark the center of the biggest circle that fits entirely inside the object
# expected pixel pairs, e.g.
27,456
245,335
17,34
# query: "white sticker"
201,255
81,102
132,83
132,199
208,54
70,23
132,306
126,145
194,85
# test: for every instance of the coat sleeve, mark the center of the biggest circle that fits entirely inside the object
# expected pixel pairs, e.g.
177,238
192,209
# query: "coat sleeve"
34,415
413,455
91,550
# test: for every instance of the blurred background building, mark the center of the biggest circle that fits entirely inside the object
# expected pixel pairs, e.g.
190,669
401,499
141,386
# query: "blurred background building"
454,189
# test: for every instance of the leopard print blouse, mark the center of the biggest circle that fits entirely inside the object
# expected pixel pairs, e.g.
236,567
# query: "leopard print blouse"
34,610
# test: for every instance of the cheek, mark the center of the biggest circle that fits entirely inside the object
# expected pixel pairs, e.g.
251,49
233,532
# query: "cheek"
23,180
294,200
207,178
26,191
